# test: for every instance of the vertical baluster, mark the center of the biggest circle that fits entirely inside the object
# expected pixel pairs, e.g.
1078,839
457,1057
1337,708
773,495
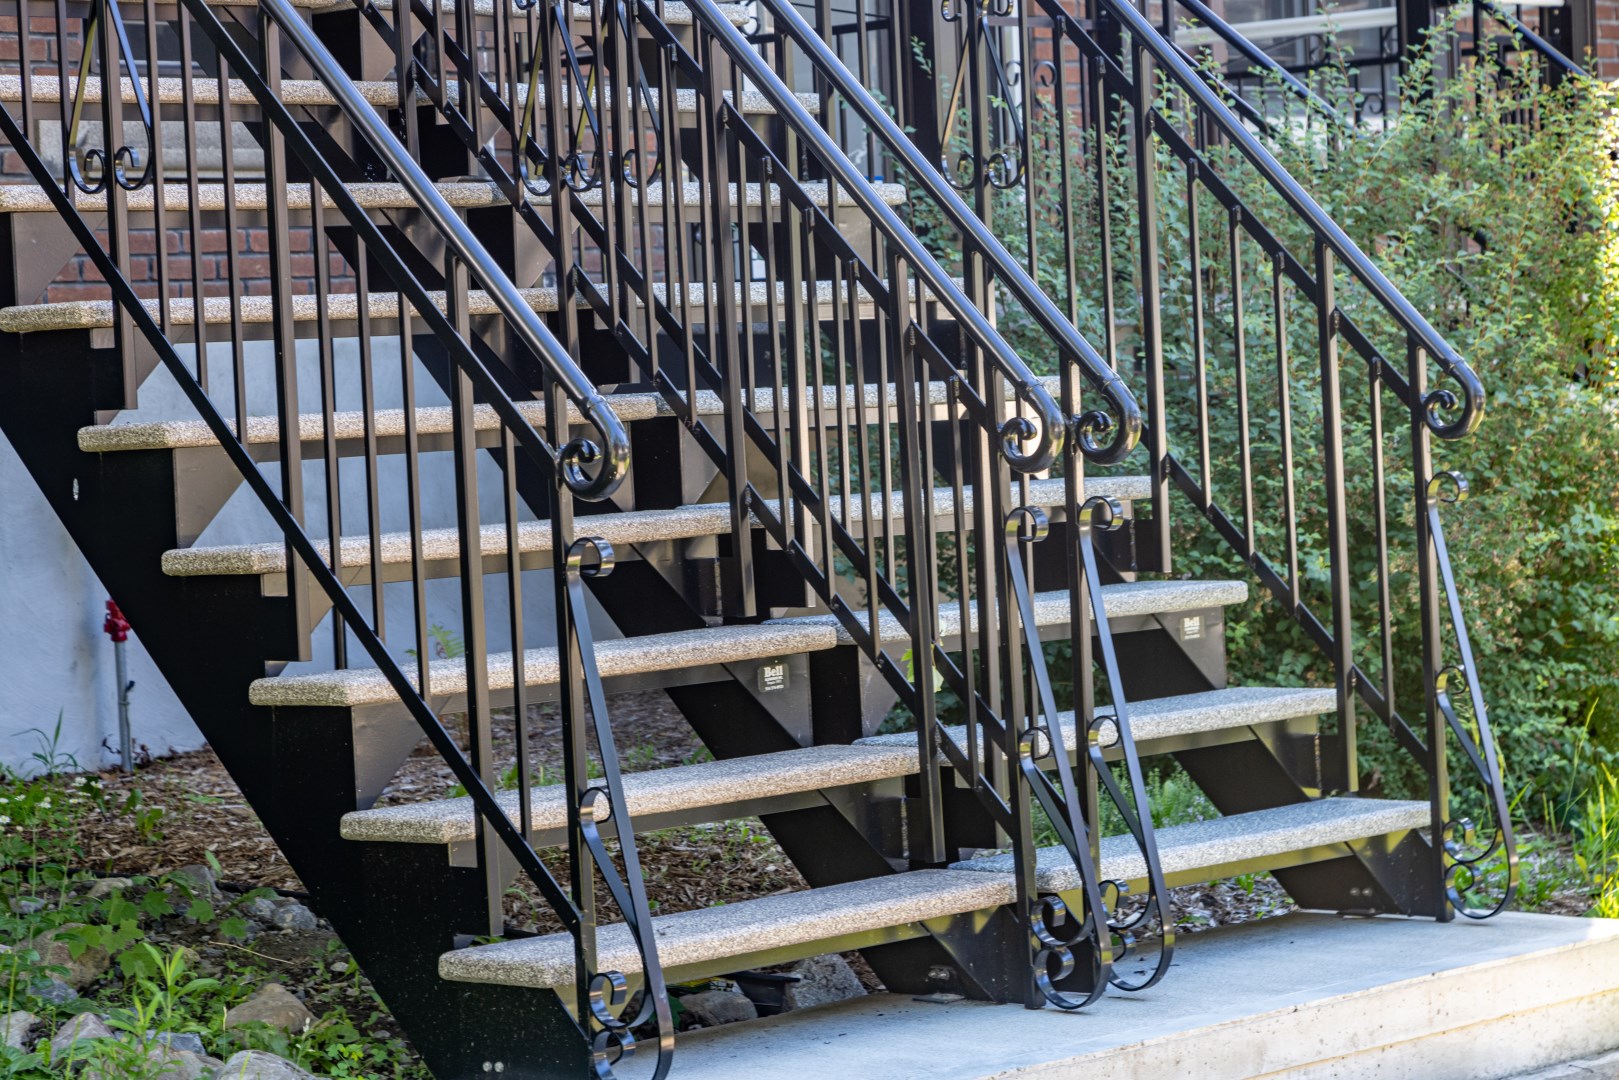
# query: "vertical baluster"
1239,353
188,108
474,628
64,95
1200,365
368,409
405,74
1104,214
821,467
1433,648
1385,611
727,353
1343,626
319,248
514,602
285,339
413,496
112,128
802,357
233,274
25,66
160,232
926,839
1284,434
780,338
1152,345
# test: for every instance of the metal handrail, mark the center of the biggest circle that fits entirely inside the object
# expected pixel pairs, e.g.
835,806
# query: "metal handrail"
1438,401
613,451
1548,52
925,176
1259,58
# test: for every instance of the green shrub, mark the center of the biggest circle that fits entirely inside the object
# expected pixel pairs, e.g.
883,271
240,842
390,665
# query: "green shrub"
1505,236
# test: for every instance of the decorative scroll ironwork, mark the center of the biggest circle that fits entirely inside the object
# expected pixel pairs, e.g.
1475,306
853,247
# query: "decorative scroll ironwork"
606,991
1150,912
1005,166
114,51
1466,860
1042,740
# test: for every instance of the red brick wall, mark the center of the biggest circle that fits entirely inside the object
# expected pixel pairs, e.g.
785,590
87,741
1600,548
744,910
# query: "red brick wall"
1607,37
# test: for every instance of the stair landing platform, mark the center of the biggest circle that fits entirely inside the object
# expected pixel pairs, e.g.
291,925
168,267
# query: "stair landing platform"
1305,996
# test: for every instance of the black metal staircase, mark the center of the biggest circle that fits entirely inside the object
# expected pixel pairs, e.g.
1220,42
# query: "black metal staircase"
507,316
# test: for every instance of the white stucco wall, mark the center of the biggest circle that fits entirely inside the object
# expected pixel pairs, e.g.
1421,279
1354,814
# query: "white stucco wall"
54,659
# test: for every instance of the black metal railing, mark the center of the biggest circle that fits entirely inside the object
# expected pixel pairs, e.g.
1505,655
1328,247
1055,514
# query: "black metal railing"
368,300
1178,240
864,383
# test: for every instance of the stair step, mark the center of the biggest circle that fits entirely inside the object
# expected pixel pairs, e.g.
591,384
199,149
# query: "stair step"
462,194
381,305
805,921
311,93
796,920
1239,839
790,772
436,420
630,527
1172,717
681,649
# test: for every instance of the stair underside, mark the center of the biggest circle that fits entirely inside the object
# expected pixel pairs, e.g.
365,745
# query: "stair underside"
350,425
630,527
382,305
462,194
711,645
765,776
806,922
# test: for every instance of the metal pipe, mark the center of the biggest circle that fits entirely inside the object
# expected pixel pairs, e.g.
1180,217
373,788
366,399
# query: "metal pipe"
116,627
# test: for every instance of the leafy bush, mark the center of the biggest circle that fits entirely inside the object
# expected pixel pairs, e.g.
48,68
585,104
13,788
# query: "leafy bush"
1492,203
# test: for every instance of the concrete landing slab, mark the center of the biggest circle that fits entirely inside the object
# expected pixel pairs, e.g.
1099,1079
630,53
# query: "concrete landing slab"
1305,996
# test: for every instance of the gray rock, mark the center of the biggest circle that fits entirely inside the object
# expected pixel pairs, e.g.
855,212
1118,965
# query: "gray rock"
27,905
273,1005
711,1008
15,1027
179,1040
293,916
199,879
106,886
55,950
52,990
160,1061
821,981
81,1028
258,1065
260,908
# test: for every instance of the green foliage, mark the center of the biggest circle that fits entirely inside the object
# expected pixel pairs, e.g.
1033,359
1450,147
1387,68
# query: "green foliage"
1492,204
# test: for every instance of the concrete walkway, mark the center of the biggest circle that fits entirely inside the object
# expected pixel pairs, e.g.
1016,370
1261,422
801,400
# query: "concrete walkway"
1305,997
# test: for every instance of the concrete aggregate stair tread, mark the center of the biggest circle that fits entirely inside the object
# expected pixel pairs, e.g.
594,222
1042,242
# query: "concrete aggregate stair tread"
311,93
1226,840
436,420
462,194
804,918
626,528
381,304
788,772
651,653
